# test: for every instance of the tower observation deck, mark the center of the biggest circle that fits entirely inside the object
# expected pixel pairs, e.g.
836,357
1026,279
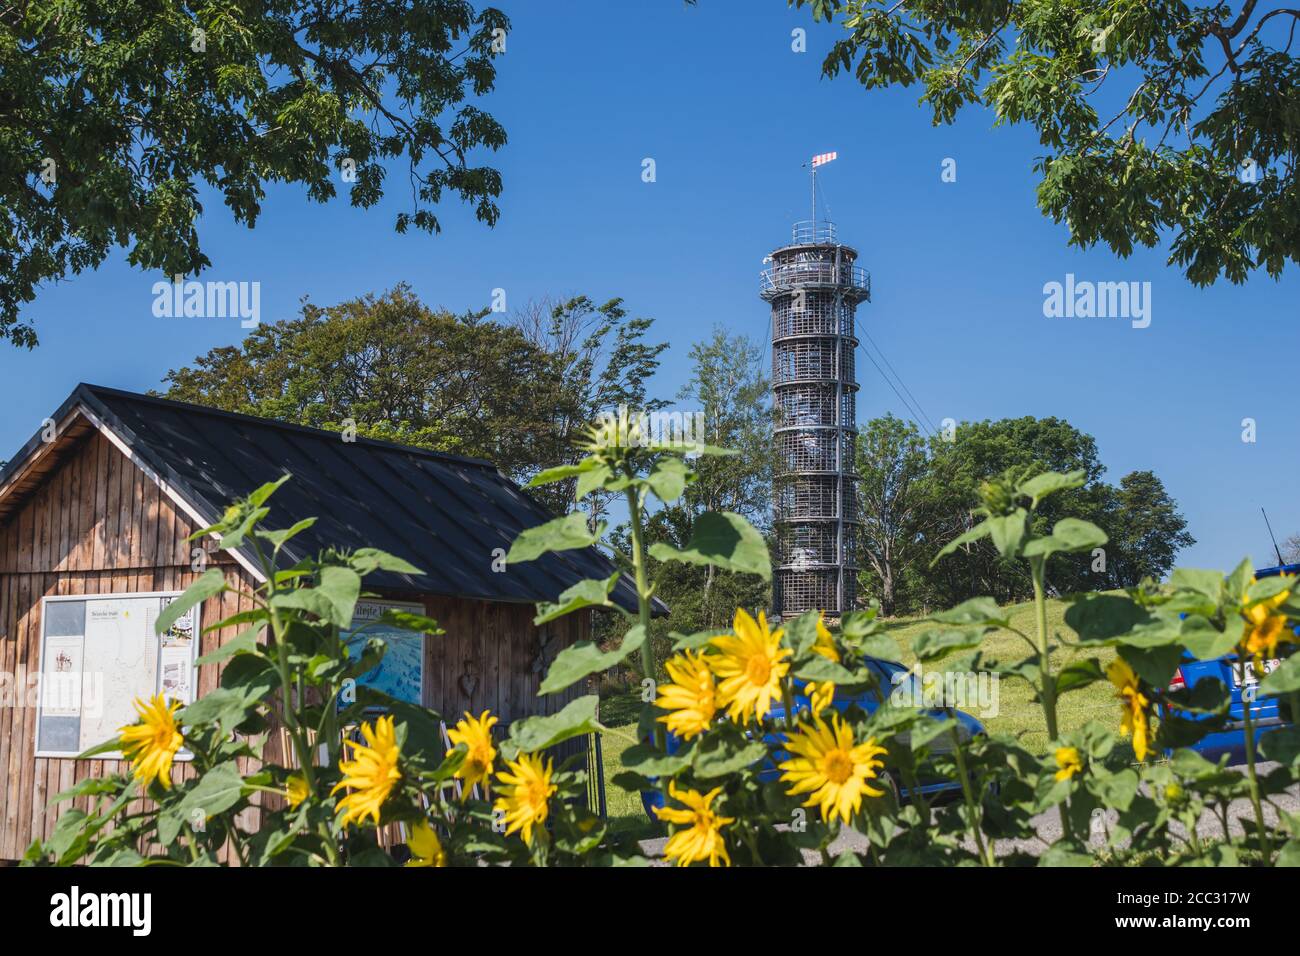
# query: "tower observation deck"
814,287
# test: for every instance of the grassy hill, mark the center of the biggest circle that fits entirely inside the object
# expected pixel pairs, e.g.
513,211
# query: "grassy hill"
1017,713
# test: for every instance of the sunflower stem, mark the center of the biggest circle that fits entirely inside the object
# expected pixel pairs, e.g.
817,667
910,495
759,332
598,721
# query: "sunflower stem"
648,670
972,814
1047,683
1253,778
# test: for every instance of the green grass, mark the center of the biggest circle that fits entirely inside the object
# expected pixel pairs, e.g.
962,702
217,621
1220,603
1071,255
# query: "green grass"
1017,714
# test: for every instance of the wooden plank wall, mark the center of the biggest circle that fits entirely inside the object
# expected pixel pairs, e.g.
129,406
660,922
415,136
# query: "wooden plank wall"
493,658
98,525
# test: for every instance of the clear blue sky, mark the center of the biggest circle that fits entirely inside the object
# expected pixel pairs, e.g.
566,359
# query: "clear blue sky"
716,97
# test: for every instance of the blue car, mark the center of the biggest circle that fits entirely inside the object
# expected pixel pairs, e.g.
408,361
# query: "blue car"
1242,679
891,676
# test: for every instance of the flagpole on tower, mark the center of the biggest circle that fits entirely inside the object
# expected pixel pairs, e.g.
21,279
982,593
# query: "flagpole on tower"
817,160
814,198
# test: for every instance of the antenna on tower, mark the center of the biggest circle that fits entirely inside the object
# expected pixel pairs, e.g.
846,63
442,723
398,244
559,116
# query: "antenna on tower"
1276,549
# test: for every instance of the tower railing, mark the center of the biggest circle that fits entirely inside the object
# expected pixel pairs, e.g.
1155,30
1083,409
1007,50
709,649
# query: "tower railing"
809,232
789,275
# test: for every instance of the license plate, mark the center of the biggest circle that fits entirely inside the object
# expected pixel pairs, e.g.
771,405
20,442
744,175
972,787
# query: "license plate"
1245,672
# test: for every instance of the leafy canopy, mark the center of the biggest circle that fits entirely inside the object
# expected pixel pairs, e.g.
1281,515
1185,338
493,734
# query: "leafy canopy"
1163,120
113,115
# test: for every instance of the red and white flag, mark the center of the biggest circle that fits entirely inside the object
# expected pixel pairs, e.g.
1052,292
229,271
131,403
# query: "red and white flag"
822,158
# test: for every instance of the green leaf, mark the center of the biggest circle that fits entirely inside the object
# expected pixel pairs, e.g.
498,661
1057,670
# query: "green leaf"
1049,483
1155,665
585,657
1207,583
720,755
1069,535
1115,789
1059,854
537,733
108,746
560,534
939,642
260,496
1205,641
821,669
590,592
550,476
1077,675
280,537
977,533
724,540
980,610
89,787
407,621
801,633
341,587
668,479
225,707
369,560
692,642
308,599
244,643
649,763
219,789
210,583
1289,856
1008,532
1103,617
602,476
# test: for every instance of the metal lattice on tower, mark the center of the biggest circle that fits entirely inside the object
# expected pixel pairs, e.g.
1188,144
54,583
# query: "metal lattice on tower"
814,287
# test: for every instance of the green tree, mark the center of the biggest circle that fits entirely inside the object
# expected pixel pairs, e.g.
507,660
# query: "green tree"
113,114
1145,528
729,387
982,452
893,506
1161,120
395,369
602,361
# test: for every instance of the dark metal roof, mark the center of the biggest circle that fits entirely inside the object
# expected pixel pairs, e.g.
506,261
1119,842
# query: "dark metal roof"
443,513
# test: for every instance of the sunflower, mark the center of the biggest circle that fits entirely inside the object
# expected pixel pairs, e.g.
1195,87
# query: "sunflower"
476,735
829,766
750,665
1264,631
691,698
525,788
702,837
371,774
821,695
152,743
1069,762
426,849
296,790
1136,717
825,643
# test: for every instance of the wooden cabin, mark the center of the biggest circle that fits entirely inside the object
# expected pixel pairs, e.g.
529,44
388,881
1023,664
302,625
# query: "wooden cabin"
95,513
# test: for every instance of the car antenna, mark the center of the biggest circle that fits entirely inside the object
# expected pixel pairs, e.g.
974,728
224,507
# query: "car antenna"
1276,549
